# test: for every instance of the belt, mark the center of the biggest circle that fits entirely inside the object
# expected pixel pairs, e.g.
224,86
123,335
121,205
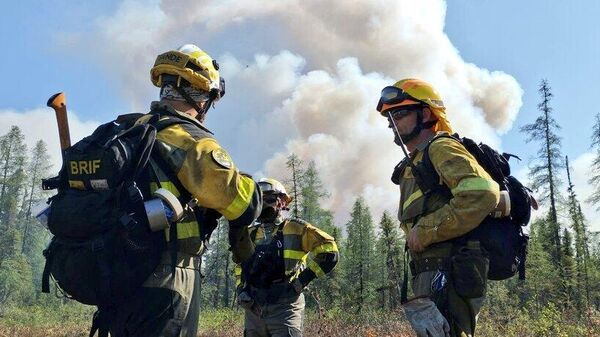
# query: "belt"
184,260
429,264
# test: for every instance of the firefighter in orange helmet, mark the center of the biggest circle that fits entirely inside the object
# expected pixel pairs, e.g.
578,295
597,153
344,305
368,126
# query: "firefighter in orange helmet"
435,223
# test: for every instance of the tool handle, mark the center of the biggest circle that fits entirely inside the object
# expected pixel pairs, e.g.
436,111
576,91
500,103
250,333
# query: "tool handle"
58,102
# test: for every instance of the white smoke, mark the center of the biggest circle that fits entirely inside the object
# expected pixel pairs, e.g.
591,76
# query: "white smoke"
314,92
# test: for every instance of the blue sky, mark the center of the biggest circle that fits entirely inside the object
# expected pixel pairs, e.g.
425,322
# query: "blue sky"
531,40
82,49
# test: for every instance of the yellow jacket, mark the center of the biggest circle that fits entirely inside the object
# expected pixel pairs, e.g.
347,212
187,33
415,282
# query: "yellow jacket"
207,172
474,194
304,245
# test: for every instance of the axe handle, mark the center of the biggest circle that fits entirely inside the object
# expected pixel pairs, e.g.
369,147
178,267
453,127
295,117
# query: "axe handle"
58,102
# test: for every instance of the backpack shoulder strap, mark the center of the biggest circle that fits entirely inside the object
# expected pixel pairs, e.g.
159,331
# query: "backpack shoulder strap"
429,178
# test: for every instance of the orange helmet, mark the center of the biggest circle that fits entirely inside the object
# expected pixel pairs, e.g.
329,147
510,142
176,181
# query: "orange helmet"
409,91
412,91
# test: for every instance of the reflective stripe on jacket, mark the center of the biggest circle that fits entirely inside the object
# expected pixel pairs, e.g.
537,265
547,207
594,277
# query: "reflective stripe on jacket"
304,246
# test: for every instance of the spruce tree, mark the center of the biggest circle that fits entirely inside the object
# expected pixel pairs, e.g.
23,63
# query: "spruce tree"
39,166
359,258
218,283
327,288
312,192
294,164
594,180
568,279
581,244
391,252
546,167
13,153
540,286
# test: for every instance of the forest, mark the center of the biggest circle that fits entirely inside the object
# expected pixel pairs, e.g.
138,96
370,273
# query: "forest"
560,295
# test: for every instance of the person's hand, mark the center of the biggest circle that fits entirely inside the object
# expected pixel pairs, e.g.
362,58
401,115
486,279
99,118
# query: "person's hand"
425,318
413,240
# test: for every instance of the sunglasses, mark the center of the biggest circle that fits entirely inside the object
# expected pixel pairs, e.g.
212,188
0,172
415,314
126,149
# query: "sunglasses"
270,198
403,112
392,95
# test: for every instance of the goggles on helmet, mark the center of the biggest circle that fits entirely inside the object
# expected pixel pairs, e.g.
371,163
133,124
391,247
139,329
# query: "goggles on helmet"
393,95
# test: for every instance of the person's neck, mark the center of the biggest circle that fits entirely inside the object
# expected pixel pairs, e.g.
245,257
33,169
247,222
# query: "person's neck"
182,107
423,136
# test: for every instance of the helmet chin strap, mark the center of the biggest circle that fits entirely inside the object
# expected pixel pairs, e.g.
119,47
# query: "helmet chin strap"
420,126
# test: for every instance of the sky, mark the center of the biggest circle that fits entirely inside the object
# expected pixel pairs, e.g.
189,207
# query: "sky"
304,76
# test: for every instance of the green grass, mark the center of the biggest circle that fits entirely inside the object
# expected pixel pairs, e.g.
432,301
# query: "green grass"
73,320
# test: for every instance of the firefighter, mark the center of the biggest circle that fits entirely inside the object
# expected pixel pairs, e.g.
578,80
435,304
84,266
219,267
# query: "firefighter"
436,223
270,284
190,162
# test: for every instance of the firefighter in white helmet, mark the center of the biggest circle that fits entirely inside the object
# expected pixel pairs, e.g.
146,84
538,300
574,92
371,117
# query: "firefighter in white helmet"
270,283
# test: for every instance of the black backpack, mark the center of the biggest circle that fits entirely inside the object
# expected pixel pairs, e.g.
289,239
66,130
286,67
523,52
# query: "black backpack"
502,238
103,249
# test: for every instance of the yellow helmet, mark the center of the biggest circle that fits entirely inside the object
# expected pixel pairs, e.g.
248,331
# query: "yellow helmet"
271,185
188,65
412,91
409,91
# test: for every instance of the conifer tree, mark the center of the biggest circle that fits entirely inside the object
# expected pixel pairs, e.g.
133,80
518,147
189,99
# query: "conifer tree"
391,253
594,180
581,243
294,164
13,153
359,257
312,194
540,286
545,169
218,283
568,279
38,168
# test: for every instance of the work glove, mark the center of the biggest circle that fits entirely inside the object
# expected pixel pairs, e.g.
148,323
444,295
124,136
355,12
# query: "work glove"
247,302
425,318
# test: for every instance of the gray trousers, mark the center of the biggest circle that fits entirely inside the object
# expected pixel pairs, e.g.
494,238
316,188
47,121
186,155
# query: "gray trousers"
165,306
464,311
282,319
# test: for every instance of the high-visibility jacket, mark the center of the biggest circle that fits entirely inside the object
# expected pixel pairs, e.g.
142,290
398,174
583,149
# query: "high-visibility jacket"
307,250
474,194
206,171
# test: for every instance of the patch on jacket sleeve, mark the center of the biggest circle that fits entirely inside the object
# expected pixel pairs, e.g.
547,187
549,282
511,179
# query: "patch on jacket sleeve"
222,158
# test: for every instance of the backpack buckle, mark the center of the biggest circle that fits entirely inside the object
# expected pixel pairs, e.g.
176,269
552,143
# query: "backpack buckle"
127,221
135,195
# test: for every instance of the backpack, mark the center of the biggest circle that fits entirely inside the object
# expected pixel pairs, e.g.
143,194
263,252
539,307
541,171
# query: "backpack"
103,249
502,238
267,263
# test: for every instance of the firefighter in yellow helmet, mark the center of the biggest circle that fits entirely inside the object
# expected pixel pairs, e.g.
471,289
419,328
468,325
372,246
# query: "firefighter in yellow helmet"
189,162
435,223
270,284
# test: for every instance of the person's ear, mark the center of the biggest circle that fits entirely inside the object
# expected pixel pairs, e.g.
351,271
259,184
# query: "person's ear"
427,114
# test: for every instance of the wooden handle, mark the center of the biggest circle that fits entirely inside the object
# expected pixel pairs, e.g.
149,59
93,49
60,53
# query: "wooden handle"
58,102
